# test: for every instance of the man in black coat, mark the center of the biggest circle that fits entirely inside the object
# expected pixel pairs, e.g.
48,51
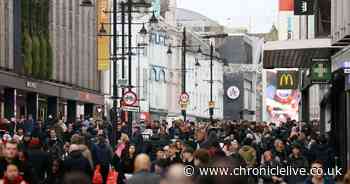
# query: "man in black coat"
38,159
76,161
297,161
322,151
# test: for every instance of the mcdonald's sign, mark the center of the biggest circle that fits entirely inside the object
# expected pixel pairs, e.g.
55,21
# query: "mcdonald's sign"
287,79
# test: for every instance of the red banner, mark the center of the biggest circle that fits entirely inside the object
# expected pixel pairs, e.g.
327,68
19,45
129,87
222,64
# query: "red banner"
286,5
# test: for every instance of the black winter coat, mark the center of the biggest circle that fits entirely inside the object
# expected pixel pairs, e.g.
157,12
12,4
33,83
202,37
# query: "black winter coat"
77,162
300,162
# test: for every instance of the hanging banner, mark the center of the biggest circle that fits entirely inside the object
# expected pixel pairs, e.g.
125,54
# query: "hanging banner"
103,41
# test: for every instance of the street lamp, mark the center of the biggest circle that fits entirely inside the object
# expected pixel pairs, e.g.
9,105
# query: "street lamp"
143,34
211,81
169,51
153,21
199,51
197,64
102,30
126,11
183,46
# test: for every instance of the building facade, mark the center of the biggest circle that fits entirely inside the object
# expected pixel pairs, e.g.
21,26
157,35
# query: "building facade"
243,54
49,65
336,102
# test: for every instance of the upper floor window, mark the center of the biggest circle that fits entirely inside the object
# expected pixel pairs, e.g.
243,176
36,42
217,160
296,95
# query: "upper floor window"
162,76
154,74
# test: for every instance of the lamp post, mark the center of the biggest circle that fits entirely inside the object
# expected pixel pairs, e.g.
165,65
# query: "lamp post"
115,111
183,69
211,81
184,47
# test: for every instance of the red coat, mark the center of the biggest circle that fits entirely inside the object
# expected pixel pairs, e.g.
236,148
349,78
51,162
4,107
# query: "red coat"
18,180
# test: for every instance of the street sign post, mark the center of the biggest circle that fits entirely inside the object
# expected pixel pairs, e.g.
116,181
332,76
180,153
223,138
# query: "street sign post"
129,98
123,82
183,106
321,71
131,109
287,80
211,104
184,97
184,100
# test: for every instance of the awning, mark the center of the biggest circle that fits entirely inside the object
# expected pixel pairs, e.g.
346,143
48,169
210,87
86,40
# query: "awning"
296,53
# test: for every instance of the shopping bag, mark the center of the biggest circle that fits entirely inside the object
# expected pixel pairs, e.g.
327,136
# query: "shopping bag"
112,177
97,178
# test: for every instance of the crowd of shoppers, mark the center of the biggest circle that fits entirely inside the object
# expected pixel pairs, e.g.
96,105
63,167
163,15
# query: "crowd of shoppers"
58,152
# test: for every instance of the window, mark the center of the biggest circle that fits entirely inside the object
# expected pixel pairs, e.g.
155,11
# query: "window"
248,95
154,74
162,76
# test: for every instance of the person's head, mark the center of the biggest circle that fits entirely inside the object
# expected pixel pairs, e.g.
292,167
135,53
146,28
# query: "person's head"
322,139
176,175
160,154
142,163
347,178
268,156
76,177
124,138
317,169
160,166
101,139
200,135
166,151
11,150
201,157
162,130
279,146
30,117
20,131
53,134
187,154
224,162
172,150
132,149
77,139
56,166
234,146
296,150
70,127
178,144
11,172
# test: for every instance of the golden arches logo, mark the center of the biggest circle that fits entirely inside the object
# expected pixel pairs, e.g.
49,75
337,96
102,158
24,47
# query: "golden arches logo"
286,80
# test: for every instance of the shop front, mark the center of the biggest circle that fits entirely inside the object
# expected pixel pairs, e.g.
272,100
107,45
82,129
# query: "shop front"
21,97
339,100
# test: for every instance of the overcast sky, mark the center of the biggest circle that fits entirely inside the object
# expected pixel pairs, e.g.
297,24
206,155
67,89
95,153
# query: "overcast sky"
259,15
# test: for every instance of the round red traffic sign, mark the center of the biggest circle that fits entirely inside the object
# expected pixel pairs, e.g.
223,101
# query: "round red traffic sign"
129,98
184,97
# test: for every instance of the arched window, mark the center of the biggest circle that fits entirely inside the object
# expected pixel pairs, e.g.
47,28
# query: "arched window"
154,74
162,76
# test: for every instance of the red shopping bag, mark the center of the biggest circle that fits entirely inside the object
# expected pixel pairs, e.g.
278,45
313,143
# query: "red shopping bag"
112,177
97,178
